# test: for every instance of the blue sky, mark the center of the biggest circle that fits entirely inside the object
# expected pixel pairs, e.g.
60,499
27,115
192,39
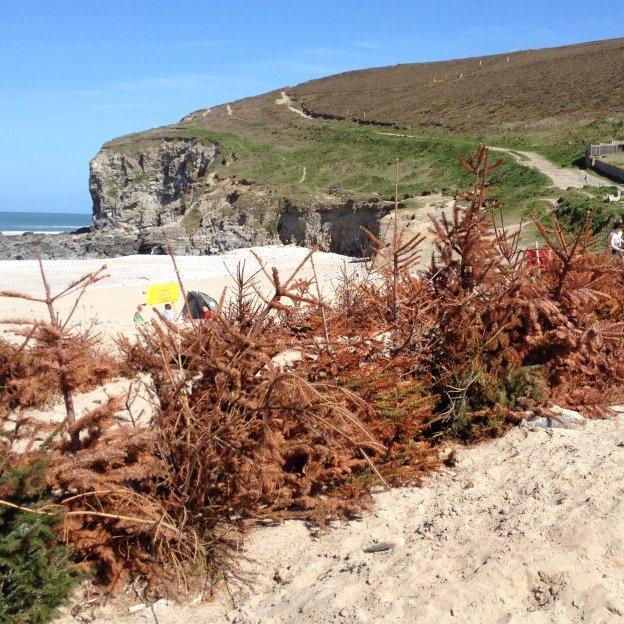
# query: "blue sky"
75,73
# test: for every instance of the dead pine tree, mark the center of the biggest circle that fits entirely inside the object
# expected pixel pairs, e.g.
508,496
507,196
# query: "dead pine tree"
65,356
399,256
282,290
467,242
481,169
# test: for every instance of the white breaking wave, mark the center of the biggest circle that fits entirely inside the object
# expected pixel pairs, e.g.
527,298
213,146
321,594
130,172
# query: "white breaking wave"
19,232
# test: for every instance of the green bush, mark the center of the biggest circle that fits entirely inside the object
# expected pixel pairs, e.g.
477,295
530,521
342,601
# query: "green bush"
481,409
36,572
575,206
272,227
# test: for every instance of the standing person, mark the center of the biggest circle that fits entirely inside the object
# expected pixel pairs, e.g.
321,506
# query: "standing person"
138,317
615,239
168,313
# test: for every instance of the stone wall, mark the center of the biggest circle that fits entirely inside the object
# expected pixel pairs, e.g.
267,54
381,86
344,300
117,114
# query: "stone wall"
593,160
611,171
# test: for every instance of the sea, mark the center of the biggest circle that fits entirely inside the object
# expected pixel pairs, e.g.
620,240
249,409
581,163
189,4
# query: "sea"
42,222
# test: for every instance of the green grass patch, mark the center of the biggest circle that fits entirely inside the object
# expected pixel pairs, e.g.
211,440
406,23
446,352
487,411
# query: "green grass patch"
565,144
575,206
617,160
140,177
268,145
349,160
272,227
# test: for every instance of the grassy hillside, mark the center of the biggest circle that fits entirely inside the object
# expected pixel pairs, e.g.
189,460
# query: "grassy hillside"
551,101
267,144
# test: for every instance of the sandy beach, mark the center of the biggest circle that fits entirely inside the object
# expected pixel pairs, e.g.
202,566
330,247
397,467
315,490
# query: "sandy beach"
524,529
110,304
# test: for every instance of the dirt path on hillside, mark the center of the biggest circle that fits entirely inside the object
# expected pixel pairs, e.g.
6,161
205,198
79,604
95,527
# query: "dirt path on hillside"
523,530
304,173
396,134
561,177
285,100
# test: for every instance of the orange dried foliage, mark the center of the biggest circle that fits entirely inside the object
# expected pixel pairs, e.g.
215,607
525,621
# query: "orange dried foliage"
398,362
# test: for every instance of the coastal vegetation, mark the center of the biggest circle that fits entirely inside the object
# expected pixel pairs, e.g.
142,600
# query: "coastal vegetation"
350,161
36,567
386,373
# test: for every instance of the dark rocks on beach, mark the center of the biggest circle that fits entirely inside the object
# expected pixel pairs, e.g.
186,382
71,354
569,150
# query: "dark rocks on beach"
109,243
65,245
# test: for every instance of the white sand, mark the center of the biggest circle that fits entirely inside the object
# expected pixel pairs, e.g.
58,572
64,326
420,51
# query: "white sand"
112,302
525,529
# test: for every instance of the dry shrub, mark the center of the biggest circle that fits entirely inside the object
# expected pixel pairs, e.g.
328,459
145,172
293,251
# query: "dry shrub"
465,348
106,484
55,357
567,323
13,365
232,438
29,373
239,433
399,362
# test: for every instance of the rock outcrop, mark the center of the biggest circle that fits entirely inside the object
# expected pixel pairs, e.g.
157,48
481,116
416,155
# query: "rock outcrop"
149,191
84,244
337,228
154,187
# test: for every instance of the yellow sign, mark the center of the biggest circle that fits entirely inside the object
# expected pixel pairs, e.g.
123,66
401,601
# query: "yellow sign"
162,293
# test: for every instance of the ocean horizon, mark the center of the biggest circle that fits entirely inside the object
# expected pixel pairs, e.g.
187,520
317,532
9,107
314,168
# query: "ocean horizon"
43,222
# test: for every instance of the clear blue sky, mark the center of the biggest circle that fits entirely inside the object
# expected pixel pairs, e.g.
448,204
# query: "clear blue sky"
75,73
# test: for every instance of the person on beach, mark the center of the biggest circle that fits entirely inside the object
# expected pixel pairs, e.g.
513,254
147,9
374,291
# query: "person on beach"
168,313
615,240
206,312
138,317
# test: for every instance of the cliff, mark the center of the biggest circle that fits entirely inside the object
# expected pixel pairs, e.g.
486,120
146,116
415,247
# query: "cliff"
313,163
168,188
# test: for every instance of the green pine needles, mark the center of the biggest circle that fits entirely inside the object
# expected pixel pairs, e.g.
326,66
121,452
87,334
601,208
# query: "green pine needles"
36,572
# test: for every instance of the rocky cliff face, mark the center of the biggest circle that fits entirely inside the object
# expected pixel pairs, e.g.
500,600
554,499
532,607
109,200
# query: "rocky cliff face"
165,189
337,228
154,188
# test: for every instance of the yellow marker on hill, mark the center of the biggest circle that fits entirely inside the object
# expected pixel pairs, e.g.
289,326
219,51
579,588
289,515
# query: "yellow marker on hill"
162,293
